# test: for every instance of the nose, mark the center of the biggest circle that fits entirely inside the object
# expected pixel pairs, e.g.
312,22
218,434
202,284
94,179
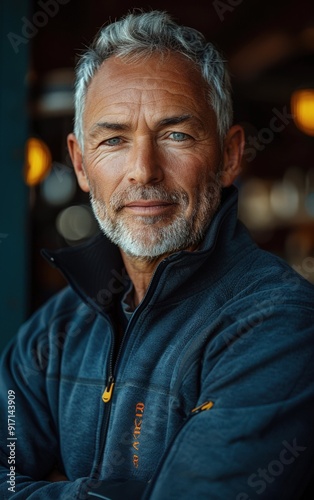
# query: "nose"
144,163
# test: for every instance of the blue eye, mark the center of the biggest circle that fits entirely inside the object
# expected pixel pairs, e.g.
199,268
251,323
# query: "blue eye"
179,136
114,141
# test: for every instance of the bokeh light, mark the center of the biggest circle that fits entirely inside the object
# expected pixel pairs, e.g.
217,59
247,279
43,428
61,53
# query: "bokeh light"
37,161
76,223
60,185
302,106
284,199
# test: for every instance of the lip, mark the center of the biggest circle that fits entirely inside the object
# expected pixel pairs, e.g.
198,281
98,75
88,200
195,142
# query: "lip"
148,207
147,203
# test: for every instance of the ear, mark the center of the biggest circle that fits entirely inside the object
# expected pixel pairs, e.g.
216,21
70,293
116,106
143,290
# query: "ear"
77,160
232,155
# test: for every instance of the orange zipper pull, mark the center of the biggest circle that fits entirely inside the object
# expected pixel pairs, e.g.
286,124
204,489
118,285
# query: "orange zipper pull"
205,406
108,391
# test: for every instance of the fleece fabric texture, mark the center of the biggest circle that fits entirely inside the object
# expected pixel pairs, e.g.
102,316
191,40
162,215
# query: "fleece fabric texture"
210,390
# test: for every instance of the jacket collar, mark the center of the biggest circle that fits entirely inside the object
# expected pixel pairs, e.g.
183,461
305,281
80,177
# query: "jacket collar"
95,269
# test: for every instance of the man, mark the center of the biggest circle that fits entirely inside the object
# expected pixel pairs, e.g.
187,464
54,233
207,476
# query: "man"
177,364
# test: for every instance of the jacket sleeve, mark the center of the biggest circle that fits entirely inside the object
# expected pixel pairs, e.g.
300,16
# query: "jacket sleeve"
28,446
257,440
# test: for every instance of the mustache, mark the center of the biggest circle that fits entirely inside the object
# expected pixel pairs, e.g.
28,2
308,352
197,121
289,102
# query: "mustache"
135,193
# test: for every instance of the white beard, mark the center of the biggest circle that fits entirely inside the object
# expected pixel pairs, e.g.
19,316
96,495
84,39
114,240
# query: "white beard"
148,237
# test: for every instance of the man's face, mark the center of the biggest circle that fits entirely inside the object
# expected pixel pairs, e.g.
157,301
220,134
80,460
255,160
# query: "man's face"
152,155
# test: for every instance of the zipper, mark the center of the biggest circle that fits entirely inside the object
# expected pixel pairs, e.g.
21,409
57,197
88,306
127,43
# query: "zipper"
107,394
113,367
203,407
106,397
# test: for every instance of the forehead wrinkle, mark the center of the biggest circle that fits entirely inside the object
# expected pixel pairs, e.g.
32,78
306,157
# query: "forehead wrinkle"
98,128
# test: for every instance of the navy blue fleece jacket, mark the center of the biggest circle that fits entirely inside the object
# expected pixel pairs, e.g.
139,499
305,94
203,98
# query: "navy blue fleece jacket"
208,396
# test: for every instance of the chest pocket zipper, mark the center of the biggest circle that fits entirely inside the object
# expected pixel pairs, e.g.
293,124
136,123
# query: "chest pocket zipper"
203,407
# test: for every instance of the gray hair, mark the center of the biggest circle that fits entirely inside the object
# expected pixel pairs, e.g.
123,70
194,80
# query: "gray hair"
145,33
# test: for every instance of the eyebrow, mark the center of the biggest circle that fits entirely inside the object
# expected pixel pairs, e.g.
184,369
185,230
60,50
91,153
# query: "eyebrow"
172,120
108,126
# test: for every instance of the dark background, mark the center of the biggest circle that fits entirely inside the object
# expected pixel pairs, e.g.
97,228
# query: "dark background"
269,46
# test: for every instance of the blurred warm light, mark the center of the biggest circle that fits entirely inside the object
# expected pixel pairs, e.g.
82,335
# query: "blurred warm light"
302,106
284,199
37,161
254,204
76,223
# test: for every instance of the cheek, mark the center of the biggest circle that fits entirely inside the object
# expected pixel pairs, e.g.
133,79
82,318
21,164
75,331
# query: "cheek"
103,189
194,172
104,175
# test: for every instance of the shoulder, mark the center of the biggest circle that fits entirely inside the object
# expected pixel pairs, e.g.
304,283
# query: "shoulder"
62,304
62,309
268,304
252,270
267,276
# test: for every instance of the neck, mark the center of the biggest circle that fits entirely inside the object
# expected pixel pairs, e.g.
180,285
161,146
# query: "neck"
140,272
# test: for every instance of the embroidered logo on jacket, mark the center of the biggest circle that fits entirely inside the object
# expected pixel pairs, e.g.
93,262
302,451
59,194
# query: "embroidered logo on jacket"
139,412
